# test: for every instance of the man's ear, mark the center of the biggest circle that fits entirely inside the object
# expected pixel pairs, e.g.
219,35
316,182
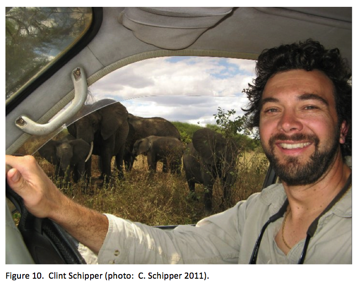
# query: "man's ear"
344,128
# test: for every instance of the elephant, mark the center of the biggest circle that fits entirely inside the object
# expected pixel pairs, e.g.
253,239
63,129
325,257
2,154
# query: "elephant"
207,157
106,129
168,150
48,152
141,127
68,156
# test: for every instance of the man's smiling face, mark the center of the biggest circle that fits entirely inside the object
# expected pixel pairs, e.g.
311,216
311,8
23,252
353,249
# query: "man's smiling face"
299,127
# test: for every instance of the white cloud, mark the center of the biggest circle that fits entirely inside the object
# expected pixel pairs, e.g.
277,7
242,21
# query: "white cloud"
188,89
245,65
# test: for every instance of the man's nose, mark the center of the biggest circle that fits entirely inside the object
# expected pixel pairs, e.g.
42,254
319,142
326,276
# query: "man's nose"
289,122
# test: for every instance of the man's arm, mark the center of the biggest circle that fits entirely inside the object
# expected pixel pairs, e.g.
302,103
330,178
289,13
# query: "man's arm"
43,199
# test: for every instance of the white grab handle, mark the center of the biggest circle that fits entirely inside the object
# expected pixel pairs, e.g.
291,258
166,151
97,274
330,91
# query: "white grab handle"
80,86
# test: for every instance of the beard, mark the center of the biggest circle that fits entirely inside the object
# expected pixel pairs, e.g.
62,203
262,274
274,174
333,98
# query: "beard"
293,172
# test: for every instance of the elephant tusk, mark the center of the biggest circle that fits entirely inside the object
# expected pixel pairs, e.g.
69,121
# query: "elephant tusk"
90,152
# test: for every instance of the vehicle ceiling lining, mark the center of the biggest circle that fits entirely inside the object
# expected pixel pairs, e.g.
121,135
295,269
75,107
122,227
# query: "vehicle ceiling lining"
178,28
321,15
172,27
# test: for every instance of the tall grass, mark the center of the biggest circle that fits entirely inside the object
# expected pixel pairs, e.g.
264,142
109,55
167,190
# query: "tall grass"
160,198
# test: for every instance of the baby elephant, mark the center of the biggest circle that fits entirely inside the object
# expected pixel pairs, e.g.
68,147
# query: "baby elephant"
167,150
68,156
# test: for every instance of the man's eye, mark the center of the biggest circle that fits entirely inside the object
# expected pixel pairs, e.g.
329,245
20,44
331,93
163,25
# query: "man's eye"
271,110
310,107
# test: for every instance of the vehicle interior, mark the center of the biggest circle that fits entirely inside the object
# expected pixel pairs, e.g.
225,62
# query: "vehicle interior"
43,95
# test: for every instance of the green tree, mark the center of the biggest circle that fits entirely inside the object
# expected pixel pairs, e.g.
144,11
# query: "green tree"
231,126
236,127
186,130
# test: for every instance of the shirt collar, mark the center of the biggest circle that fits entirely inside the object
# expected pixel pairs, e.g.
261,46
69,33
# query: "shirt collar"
274,196
343,208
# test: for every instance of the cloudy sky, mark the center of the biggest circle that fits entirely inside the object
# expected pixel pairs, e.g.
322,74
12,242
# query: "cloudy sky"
185,89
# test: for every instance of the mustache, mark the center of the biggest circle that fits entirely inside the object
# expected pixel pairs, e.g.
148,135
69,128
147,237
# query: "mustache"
294,137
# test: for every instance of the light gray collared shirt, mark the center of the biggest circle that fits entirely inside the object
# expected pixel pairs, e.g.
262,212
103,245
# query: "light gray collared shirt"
230,236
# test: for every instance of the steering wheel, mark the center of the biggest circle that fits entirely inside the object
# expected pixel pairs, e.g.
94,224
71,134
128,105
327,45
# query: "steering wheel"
46,241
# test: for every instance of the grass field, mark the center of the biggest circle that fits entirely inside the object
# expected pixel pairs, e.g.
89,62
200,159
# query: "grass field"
163,198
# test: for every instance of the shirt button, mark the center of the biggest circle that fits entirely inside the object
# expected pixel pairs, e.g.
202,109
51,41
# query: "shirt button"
117,252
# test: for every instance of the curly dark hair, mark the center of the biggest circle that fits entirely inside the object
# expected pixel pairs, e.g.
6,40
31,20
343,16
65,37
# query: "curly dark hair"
308,55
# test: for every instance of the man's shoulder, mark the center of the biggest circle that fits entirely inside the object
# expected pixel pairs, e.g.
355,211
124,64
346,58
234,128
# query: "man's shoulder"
271,197
274,193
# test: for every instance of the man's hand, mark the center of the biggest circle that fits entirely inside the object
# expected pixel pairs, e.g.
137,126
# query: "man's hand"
41,197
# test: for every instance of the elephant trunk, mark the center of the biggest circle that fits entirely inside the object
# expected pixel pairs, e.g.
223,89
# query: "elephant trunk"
90,152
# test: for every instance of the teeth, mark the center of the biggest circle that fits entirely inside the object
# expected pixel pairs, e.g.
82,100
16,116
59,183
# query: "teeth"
294,146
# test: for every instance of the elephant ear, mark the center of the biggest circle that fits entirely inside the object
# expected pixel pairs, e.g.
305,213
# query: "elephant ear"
81,148
113,117
144,146
209,144
48,151
135,149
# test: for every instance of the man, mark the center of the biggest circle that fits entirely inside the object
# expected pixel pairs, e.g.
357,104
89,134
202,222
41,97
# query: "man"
301,102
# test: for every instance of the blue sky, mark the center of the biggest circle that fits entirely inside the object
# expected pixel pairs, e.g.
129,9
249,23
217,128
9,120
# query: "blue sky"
186,89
